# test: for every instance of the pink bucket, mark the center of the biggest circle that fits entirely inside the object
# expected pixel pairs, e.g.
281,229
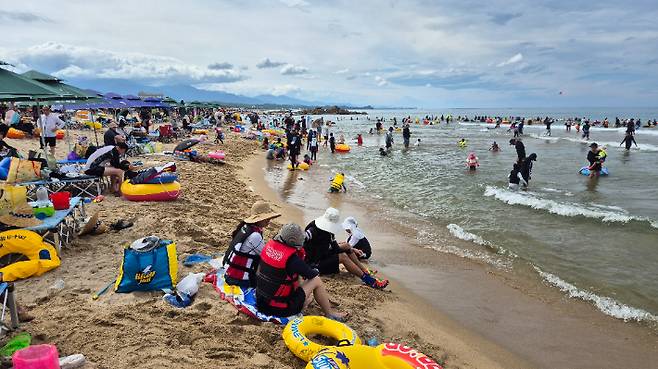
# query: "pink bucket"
36,357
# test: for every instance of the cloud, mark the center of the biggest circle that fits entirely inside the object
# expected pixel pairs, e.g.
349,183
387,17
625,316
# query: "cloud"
503,18
449,79
69,61
381,81
293,70
342,71
267,63
8,16
513,60
295,3
284,90
220,66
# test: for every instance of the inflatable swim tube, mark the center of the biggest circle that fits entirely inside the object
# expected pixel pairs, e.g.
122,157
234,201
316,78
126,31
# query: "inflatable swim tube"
19,245
462,144
219,155
198,131
301,166
385,356
150,192
296,333
343,148
60,134
586,172
15,133
162,178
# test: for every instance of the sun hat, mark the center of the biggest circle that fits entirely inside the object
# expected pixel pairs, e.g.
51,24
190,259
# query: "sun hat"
93,226
329,221
21,216
260,211
350,224
291,234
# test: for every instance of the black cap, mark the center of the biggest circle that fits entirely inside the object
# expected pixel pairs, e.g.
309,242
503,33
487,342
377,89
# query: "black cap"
594,144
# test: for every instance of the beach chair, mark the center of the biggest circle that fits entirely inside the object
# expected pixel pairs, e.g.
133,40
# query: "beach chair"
8,303
82,186
167,133
60,229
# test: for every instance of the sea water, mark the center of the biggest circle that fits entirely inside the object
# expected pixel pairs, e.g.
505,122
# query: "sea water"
594,239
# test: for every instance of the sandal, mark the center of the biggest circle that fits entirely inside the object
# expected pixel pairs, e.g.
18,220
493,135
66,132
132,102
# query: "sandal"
121,224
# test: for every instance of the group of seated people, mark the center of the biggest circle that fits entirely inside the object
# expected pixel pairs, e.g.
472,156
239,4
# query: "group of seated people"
286,270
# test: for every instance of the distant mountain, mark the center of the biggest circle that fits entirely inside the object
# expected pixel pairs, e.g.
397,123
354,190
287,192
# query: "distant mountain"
188,93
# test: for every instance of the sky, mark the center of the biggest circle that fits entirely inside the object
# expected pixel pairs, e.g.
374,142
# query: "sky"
421,53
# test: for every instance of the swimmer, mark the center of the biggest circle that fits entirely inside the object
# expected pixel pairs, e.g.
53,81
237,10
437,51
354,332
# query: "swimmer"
462,143
338,183
494,147
472,161
382,152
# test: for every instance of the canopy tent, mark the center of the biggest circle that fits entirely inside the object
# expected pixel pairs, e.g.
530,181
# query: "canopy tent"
14,87
57,85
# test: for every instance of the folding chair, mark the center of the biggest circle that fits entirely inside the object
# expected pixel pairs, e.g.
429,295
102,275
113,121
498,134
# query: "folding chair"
60,229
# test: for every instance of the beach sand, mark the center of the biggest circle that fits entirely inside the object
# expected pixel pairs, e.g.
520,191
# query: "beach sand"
139,330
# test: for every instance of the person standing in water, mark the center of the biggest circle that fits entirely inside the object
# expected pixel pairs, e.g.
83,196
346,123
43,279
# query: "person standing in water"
515,178
548,123
494,147
594,161
520,148
406,135
332,143
629,140
586,127
389,139
472,162
526,168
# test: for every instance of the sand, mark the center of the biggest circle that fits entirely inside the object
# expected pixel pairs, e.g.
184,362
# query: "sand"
139,330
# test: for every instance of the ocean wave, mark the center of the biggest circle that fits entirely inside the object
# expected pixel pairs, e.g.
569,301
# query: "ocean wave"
426,238
460,233
562,209
607,305
640,146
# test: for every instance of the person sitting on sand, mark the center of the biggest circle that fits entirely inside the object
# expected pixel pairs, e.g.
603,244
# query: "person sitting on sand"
107,162
5,149
325,254
357,239
278,290
243,254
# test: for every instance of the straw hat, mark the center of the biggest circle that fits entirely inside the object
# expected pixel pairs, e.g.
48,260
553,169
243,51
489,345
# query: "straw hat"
329,221
93,226
21,216
260,211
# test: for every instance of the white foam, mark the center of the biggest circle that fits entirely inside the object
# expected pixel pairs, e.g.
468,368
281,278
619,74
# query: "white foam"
542,137
640,146
607,305
554,207
355,181
426,238
460,233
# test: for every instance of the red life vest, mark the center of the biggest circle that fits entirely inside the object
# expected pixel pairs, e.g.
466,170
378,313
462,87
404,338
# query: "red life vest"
273,284
241,265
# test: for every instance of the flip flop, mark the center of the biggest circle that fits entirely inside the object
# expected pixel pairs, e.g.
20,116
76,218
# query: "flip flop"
121,224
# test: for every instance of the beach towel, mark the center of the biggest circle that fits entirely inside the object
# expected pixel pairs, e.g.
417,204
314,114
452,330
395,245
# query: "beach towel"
244,299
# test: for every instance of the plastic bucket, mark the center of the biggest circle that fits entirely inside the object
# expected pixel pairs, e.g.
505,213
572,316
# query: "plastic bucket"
61,200
36,357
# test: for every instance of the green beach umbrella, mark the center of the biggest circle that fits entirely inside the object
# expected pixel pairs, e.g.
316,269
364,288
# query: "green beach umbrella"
14,87
56,84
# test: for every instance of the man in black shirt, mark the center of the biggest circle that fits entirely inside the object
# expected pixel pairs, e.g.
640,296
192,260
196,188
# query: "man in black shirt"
593,159
520,148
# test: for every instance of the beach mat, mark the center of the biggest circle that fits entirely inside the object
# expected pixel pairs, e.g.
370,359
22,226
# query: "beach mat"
244,299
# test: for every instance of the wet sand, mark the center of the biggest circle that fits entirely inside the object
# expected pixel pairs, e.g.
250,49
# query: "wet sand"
511,311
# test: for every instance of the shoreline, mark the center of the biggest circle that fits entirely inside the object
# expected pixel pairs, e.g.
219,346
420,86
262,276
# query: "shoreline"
521,317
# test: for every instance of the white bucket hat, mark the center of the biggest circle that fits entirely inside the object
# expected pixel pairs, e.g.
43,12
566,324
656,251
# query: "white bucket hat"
330,221
350,223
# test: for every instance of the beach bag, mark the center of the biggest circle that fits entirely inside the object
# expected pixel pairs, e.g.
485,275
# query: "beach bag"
23,171
153,269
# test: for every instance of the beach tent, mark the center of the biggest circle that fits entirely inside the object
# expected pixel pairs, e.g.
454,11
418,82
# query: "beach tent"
58,86
14,87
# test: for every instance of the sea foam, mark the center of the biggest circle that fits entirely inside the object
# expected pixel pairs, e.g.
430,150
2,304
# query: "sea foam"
562,209
607,305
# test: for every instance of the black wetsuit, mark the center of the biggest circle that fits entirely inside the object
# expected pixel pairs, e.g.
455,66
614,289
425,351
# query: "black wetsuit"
520,149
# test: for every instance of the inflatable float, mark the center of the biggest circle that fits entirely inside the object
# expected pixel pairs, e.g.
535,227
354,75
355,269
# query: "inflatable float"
198,131
301,166
296,333
162,178
60,134
150,192
218,155
586,172
343,148
384,356
15,133
21,244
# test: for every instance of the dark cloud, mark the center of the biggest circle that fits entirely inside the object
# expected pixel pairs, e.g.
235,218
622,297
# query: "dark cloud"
267,63
503,18
652,62
220,66
8,16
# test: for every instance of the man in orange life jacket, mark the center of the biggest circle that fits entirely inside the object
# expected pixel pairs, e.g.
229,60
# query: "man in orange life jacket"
244,251
278,290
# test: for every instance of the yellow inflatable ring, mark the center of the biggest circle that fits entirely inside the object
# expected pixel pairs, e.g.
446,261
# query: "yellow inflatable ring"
385,356
150,192
42,256
295,335
301,166
200,131
342,148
